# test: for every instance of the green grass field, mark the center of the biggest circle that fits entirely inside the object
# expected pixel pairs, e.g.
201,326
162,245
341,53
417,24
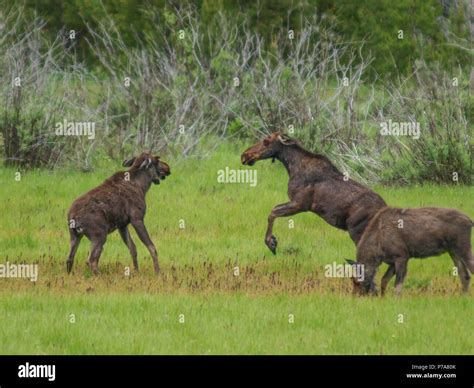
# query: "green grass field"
279,304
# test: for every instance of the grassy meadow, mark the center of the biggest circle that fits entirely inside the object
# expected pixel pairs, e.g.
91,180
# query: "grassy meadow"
204,231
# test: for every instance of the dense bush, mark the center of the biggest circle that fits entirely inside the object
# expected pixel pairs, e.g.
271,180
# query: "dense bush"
183,86
436,31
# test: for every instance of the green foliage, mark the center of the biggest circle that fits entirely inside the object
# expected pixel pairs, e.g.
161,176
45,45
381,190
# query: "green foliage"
230,324
432,33
221,65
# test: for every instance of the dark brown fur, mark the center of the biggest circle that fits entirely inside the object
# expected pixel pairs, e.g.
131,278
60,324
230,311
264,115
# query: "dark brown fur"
315,185
426,232
117,202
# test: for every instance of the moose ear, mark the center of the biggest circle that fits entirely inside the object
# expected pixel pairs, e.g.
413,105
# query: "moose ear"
128,162
286,140
351,262
146,163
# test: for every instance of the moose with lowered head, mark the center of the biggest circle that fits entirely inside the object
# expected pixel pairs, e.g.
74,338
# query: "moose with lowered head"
395,235
114,204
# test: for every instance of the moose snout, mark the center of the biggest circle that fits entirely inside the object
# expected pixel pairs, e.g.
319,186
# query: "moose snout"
246,159
164,170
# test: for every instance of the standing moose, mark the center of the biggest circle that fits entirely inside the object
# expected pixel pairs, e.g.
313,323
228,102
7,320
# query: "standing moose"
315,185
117,202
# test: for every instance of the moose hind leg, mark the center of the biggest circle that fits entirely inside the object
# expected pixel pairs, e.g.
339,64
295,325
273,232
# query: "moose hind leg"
75,241
401,265
463,271
97,244
127,239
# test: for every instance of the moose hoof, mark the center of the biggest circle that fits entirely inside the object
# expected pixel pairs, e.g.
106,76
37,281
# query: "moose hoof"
93,267
272,244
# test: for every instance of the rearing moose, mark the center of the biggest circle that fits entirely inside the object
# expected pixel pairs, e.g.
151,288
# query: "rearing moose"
315,185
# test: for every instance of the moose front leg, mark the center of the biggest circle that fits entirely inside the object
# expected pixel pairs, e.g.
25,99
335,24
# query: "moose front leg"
146,240
283,210
387,277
